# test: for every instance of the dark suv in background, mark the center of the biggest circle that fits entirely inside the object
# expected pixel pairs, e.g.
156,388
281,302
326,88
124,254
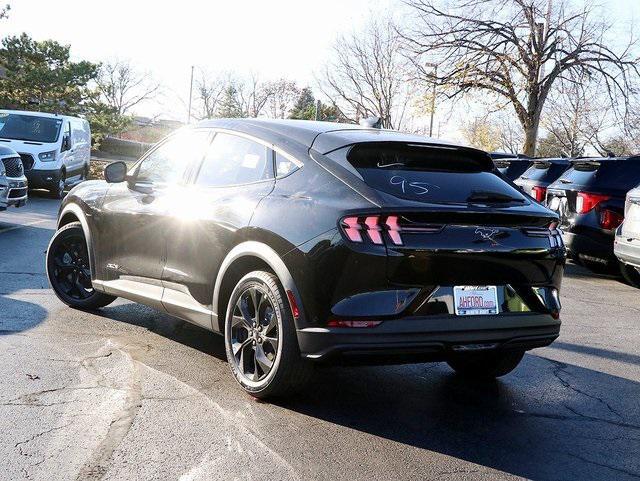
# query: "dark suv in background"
589,198
304,242
511,166
543,172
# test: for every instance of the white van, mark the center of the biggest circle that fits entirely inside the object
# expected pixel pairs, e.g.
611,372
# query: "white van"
55,149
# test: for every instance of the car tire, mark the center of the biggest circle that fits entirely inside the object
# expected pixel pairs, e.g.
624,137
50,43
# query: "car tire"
57,191
630,274
263,367
68,269
486,365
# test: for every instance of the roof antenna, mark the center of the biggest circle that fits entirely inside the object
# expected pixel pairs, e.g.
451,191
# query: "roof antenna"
371,122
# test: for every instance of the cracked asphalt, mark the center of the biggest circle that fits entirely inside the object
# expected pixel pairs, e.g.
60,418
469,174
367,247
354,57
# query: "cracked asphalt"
129,393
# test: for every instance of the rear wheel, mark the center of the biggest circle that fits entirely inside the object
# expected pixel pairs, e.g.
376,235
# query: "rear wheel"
69,272
260,338
57,191
486,365
631,274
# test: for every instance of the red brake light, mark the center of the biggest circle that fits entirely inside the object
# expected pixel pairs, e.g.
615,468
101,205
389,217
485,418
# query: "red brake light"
610,219
352,229
539,193
374,226
586,201
373,229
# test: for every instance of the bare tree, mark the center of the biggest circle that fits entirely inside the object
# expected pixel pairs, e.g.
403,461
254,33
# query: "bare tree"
576,115
367,75
123,87
517,50
282,97
209,93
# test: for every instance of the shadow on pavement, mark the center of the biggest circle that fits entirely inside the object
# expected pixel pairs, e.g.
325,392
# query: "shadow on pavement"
23,274
599,352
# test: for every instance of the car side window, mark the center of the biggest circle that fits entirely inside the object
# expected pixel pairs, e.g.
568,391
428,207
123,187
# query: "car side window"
234,160
284,165
66,135
168,163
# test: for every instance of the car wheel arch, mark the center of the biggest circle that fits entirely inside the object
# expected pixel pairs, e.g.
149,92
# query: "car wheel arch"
73,213
242,259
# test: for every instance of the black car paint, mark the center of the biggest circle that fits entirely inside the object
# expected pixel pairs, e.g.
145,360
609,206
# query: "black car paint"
584,237
185,242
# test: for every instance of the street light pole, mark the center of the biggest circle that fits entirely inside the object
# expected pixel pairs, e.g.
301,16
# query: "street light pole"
190,96
433,96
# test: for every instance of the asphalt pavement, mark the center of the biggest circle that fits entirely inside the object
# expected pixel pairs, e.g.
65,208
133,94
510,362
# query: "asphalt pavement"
129,393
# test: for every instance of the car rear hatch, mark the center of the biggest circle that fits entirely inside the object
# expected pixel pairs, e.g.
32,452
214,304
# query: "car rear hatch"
539,175
449,219
594,188
512,168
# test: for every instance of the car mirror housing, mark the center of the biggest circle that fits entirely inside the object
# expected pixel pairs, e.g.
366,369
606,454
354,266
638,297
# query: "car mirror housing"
115,172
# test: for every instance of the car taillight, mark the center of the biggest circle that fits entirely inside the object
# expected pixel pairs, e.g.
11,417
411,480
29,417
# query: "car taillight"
610,219
539,193
374,226
586,201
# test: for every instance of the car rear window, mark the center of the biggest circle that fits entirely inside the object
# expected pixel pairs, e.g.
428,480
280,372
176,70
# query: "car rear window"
545,171
620,174
427,173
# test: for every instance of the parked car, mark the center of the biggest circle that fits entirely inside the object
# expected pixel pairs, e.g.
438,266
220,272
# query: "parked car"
55,149
627,241
305,242
535,180
13,183
589,198
511,166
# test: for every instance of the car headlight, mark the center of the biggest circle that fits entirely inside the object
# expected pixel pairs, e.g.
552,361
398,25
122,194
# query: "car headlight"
3,172
47,156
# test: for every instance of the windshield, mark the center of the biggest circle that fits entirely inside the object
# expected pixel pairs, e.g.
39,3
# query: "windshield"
29,127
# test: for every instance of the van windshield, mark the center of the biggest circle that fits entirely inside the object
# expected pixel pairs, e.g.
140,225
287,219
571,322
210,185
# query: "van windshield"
29,127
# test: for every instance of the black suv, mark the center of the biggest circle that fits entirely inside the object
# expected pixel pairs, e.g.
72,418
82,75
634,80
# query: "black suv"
543,172
589,198
303,242
511,166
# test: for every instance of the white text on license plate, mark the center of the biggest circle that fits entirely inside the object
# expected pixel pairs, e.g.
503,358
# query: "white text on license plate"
475,300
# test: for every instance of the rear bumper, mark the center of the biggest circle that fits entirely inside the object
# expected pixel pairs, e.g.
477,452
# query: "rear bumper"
627,251
428,339
591,248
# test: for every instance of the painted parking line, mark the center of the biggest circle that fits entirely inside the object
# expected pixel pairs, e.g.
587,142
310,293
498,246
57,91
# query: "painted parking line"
20,226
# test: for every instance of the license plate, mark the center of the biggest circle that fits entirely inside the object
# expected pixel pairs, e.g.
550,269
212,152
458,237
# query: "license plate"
475,300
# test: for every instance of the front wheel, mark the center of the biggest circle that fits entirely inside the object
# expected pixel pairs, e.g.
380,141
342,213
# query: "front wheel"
260,338
69,271
486,365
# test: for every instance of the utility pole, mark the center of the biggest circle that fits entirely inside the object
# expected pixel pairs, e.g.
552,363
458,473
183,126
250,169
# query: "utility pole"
433,95
190,96
318,109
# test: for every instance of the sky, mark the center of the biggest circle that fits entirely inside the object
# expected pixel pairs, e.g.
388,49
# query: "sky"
273,38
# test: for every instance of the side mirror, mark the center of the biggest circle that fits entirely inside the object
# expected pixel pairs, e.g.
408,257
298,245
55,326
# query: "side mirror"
115,172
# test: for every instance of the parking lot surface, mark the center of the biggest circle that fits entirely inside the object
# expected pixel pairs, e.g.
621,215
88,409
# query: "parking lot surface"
130,393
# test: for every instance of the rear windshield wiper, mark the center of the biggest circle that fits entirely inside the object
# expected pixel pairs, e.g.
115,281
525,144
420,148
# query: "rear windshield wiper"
482,196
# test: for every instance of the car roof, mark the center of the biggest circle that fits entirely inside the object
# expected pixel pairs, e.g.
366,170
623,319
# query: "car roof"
323,137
